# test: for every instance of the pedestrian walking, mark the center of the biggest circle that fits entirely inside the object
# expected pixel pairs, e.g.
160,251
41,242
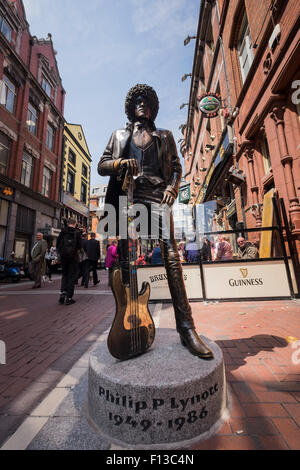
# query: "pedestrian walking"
93,253
83,266
68,244
111,259
224,249
38,259
50,257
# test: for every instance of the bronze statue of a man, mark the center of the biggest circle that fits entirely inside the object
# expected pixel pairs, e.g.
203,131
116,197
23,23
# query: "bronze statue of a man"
151,155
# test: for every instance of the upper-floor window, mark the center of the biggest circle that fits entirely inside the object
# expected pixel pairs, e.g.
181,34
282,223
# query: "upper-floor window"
46,184
46,86
27,170
70,182
8,94
4,153
72,157
50,137
265,153
83,192
84,170
32,118
244,48
5,28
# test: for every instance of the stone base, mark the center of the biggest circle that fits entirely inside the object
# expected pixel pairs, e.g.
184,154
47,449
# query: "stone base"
167,398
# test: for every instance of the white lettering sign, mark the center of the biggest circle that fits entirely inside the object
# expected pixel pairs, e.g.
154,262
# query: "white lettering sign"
159,288
245,280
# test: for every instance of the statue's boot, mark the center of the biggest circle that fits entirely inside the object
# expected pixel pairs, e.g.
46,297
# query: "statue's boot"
183,313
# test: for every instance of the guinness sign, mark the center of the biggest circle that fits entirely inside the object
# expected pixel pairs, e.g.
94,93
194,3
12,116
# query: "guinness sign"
209,104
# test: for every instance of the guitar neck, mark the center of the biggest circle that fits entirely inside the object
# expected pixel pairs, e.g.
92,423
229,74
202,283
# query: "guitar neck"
132,242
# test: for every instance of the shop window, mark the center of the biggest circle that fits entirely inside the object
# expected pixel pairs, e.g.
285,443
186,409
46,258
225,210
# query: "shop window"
8,94
4,153
70,182
27,170
265,154
47,179
32,119
50,137
244,48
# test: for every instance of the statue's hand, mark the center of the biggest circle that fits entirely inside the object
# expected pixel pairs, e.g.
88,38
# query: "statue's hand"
169,198
130,164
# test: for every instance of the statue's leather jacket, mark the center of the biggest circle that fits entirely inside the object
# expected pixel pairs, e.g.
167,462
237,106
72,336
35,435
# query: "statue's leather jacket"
119,147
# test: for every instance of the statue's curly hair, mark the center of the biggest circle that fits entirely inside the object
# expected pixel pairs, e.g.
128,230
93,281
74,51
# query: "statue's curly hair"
141,90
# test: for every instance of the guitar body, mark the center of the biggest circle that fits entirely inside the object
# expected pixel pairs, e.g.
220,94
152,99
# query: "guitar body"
133,330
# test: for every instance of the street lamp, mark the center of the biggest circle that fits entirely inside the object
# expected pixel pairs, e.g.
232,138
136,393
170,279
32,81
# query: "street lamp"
187,39
183,105
185,76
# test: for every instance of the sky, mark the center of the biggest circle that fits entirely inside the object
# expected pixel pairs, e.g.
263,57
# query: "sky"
106,47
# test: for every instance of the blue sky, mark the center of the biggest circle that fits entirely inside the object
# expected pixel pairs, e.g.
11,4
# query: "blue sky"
106,47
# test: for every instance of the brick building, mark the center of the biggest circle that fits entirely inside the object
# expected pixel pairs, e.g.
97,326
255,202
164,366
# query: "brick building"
31,131
247,51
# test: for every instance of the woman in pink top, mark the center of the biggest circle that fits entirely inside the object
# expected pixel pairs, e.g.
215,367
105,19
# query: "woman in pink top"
111,258
224,249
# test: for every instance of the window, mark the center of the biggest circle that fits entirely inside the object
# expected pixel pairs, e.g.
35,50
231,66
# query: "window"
83,193
244,48
5,28
50,137
4,153
70,182
266,154
46,86
27,170
47,179
84,170
72,157
8,94
32,119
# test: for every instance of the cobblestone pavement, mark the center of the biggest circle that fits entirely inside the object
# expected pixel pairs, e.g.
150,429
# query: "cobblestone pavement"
44,340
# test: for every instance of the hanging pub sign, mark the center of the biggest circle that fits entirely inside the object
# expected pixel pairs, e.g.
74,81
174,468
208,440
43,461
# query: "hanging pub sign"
184,194
209,104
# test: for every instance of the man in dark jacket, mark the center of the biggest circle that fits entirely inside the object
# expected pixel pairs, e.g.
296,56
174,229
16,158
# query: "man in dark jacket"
67,245
246,250
93,253
151,155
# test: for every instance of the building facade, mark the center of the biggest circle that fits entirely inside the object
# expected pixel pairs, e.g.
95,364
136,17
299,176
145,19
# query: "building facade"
246,53
31,131
97,202
76,175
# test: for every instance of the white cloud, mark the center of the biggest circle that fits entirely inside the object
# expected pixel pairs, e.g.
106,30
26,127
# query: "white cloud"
32,8
170,20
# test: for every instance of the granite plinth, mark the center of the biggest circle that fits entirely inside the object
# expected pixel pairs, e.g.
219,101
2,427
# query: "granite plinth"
167,398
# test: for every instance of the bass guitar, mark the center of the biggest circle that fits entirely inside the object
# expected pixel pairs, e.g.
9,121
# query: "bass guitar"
133,329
